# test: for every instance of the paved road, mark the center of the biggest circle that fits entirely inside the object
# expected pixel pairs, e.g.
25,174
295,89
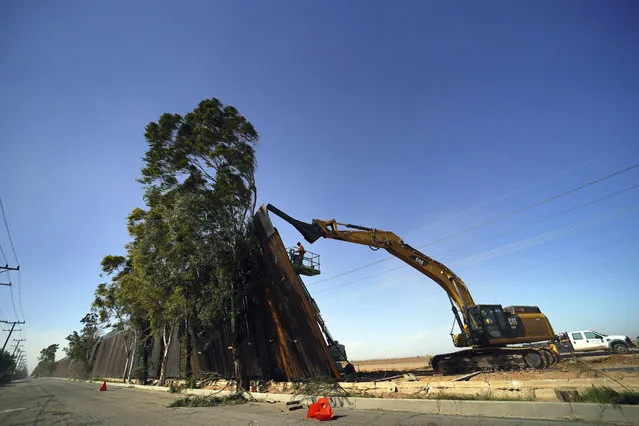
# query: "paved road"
59,402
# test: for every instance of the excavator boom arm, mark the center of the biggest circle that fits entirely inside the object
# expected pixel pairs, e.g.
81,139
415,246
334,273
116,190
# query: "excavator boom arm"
438,272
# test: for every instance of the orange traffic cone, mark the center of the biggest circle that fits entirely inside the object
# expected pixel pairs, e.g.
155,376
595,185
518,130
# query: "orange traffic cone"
103,387
321,410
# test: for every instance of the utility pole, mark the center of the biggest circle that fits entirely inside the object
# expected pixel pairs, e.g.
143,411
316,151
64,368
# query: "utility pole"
19,363
6,268
13,325
17,344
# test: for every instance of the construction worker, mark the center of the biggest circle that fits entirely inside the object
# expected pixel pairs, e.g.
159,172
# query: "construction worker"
298,256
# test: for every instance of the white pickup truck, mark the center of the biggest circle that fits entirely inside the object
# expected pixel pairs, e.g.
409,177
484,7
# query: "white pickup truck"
589,340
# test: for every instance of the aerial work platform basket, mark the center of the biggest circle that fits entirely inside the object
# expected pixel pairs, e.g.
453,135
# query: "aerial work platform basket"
308,264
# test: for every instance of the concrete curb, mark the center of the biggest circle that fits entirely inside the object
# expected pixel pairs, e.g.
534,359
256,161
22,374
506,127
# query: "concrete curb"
587,412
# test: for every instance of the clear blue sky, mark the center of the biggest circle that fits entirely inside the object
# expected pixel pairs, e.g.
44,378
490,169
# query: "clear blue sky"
402,116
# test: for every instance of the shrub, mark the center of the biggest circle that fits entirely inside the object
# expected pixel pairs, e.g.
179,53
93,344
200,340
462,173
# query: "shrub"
209,401
606,395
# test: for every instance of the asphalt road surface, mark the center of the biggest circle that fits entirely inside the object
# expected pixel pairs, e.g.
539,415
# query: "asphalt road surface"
47,401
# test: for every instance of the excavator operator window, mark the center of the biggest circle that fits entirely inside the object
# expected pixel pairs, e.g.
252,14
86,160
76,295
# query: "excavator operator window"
477,331
493,320
475,318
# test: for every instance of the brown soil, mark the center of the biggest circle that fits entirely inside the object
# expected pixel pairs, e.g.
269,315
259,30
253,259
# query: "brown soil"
393,364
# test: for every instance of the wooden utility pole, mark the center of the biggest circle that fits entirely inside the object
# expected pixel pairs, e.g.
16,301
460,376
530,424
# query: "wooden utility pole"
19,362
17,344
13,325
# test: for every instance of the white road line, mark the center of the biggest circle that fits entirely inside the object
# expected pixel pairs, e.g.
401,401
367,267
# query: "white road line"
11,410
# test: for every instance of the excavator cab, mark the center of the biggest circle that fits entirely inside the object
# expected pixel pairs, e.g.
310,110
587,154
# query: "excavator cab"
307,264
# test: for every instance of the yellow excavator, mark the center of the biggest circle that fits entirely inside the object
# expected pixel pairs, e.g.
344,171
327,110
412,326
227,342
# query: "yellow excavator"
492,332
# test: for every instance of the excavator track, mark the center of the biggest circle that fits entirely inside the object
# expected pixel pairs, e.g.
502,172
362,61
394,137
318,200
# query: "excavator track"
480,359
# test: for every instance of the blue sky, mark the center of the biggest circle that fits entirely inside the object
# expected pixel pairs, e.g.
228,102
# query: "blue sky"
422,118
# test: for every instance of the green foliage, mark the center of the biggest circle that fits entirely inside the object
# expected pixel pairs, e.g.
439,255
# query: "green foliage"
322,386
191,382
606,395
359,394
80,346
209,401
213,145
111,264
192,251
46,361
143,351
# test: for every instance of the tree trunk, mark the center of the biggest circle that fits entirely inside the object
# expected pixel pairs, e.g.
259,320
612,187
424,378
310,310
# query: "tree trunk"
126,366
127,351
241,375
188,371
166,338
133,346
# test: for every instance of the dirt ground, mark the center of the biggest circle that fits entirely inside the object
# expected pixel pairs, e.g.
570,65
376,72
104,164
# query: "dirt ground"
568,368
393,364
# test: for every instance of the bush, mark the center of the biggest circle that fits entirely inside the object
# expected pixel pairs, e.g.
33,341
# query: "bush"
606,395
209,401
175,387
191,382
324,386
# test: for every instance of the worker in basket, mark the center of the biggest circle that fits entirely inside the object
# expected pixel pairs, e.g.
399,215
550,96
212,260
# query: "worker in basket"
298,255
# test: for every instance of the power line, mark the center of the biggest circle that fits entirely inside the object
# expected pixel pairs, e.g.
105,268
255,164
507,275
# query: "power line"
489,222
502,197
20,297
545,237
518,271
8,233
361,279
523,209
13,303
509,248
623,240
4,256
539,220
